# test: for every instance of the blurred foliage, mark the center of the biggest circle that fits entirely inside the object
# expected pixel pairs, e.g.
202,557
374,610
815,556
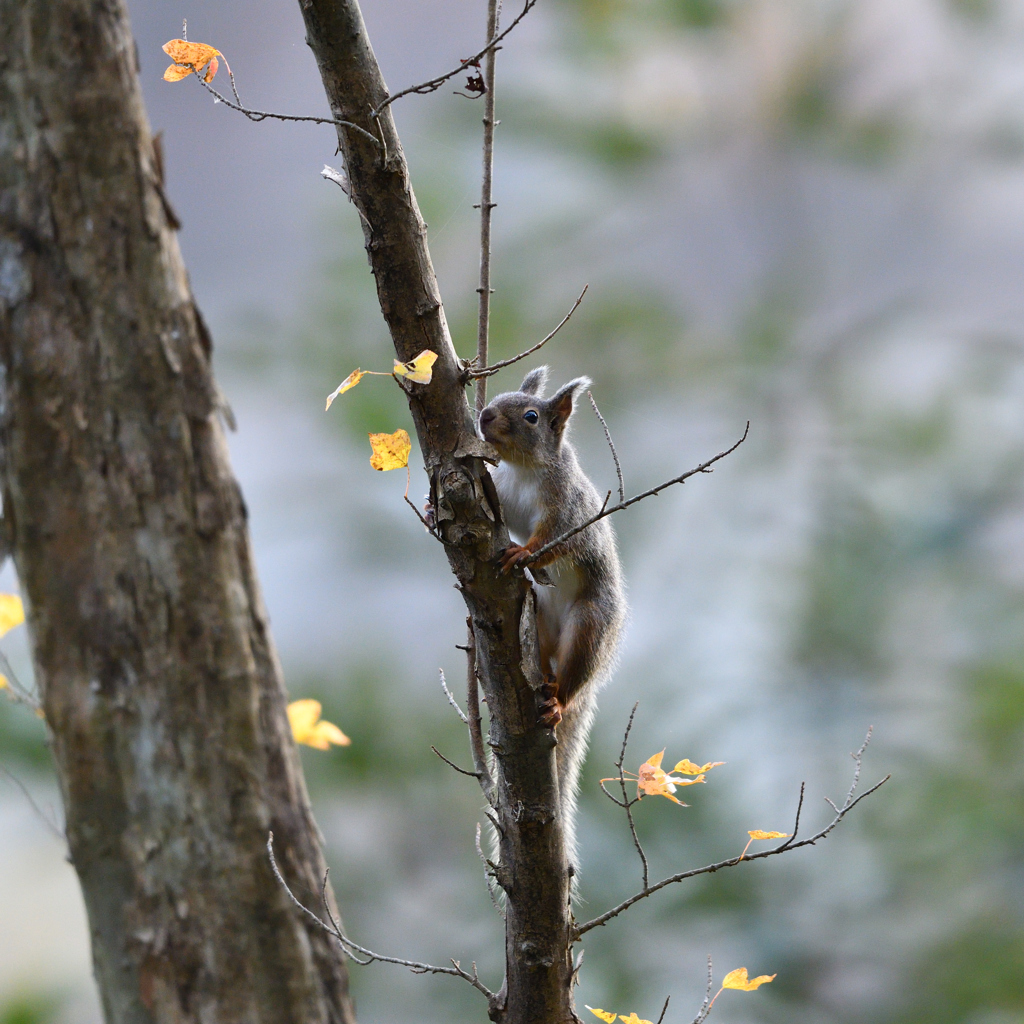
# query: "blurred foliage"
862,561
30,1009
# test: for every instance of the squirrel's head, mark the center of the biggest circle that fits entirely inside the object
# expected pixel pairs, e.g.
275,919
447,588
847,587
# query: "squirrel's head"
526,428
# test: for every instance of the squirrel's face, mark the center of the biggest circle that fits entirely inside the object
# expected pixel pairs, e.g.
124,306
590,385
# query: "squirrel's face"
513,423
524,427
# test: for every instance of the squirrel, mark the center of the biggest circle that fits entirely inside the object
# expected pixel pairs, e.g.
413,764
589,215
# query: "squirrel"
581,604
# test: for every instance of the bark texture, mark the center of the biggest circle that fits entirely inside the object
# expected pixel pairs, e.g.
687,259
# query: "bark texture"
534,870
159,679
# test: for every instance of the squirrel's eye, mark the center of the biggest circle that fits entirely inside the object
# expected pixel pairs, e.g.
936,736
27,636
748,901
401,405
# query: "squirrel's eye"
531,416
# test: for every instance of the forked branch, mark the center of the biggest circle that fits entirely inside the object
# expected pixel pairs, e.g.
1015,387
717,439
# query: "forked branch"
263,115
704,467
490,371
435,83
840,813
355,951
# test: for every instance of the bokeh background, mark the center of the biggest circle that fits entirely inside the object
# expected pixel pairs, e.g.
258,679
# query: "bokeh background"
805,213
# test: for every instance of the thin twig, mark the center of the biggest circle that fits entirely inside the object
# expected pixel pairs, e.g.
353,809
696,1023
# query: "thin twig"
705,1007
476,738
16,690
262,115
435,83
486,206
626,802
489,870
426,526
490,371
452,764
840,813
611,444
451,699
663,1011
40,813
796,824
704,467
349,946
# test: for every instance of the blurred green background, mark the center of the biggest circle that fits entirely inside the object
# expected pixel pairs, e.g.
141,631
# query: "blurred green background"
805,213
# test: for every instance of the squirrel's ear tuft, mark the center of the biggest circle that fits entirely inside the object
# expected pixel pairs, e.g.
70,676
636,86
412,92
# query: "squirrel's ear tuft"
534,381
563,401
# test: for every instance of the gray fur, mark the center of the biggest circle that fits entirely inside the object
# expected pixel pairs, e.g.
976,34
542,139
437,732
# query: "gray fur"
543,494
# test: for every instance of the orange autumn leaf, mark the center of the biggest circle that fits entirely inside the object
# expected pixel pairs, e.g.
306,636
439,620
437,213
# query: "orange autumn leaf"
346,385
197,54
390,451
607,1017
419,369
758,834
653,781
687,767
634,1019
738,979
309,728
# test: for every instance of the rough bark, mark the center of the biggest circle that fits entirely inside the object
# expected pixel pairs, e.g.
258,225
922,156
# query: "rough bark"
159,680
535,873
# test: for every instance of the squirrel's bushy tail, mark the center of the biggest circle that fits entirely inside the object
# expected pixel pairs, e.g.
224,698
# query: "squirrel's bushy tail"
573,733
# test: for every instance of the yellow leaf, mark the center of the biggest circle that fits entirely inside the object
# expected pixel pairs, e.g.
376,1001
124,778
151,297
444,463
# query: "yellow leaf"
738,979
196,54
12,612
653,781
607,1017
419,370
687,767
390,451
758,834
634,1019
308,728
4,682
349,382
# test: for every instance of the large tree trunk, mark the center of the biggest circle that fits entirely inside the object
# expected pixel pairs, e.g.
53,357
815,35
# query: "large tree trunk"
534,868
159,679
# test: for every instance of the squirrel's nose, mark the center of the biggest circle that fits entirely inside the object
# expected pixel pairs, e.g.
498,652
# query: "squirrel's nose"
487,416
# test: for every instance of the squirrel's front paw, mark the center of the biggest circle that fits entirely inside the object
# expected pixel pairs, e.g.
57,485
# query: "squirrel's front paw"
512,556
549,713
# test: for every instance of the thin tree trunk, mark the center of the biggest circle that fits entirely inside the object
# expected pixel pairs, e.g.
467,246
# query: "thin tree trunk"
160,683
534,869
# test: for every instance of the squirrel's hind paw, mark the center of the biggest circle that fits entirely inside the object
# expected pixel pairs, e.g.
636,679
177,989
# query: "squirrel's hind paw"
549,712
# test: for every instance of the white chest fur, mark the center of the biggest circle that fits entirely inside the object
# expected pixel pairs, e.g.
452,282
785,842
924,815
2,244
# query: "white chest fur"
519,491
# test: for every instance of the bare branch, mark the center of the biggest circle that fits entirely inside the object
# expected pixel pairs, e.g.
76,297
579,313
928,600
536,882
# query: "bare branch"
16,690
840,813
333,928
51,825
435,83
486,206
490,371
611,444
626,802
426,526
663,1011
476,738
705,1007
262,115
704,467
796,824
489,870
452,764
451,699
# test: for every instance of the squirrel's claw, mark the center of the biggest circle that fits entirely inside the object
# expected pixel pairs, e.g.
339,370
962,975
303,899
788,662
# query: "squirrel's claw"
549,712
512,556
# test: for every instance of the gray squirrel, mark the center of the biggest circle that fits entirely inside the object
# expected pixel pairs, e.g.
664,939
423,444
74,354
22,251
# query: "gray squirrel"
543,494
